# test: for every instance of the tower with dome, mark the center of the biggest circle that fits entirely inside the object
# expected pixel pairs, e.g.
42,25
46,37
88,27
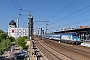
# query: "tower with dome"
15,31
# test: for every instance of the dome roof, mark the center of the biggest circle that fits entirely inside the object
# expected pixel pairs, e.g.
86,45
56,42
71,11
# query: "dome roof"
12,22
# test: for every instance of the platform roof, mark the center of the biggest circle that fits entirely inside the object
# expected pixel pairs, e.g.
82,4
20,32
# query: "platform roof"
75,30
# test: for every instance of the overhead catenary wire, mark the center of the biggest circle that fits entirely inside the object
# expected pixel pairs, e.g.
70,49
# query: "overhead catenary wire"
79,18
82,16
70,15
18,4
15,7
39,15
53,15
78,22
62,9
58,11
79,14
20,11
32,11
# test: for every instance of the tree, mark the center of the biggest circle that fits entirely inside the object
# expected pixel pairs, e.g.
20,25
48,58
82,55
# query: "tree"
2,35
1,31
21,42
5,42
4,45
12,39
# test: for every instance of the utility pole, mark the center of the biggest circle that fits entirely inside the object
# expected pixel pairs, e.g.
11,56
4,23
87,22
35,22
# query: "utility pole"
46,24
30,27
30,31
41,33
30,24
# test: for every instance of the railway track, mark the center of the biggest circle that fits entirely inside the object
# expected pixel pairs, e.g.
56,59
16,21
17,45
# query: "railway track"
73,49
57,55
75,53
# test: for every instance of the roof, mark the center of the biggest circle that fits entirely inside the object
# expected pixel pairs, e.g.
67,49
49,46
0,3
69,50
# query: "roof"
76,30
12,22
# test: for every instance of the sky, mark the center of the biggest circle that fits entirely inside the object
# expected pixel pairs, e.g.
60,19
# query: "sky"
59,13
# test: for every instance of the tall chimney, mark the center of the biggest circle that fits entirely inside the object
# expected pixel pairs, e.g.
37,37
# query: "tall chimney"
17,22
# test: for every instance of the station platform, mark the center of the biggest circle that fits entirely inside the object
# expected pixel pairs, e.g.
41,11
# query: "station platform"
85,44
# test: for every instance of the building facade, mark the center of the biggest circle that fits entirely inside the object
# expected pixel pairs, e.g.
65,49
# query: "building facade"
15,31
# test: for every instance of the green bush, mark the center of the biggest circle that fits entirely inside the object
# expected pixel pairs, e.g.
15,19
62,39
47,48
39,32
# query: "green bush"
5,42
21,42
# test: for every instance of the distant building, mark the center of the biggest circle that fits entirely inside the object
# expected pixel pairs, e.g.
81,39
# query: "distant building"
15,31
81,27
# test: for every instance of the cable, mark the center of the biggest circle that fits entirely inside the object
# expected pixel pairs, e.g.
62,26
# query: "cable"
82,21
38,15
70,14
77,22
32,11
15,7
59,11
80,18
80,14
62,9
18,4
